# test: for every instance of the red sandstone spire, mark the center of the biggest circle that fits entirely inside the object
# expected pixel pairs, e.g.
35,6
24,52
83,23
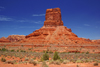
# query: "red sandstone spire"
53,17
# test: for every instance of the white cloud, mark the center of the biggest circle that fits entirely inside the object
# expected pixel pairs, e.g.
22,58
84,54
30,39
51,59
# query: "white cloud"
2,7
30,21
38,22
23,21
86,25
38,15
5,18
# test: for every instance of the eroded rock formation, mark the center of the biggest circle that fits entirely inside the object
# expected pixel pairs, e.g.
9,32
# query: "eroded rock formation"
53,17
3,39
53,32
16,38
12,38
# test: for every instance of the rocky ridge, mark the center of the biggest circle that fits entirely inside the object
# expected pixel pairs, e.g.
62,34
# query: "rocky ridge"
12,38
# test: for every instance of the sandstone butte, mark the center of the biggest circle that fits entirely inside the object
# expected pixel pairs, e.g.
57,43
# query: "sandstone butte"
54,32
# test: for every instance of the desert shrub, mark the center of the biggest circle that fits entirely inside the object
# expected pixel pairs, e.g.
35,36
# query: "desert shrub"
29,49
87,52
98,61
10,62
17,50
33,62
51,62
3,59
56,56
26,59
4,49
78,61
45,51
95,64
45,56
61,60
44,64
12,50
50,52
22,51
66,61
34,58
58,62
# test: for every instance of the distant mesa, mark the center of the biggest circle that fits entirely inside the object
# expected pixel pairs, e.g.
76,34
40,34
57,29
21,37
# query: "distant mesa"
3,39
12,38
53,32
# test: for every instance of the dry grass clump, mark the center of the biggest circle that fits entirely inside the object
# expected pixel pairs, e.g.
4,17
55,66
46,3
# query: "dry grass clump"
66,61
10,62
33,62
44,64
26,59
3,59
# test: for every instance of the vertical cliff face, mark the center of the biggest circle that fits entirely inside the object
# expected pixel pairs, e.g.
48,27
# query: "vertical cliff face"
53,18
53,32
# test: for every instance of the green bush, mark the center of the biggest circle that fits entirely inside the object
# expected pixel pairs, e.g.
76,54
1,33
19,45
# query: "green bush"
87,52
3,59
4,49
45,56
22,51
56,56
12,50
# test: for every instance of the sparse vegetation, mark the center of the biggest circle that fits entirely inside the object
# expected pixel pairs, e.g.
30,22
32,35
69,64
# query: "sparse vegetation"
87,52
45,56
66,61
56,56
78,61
12,50
26,59
10,62
44,64
4,49
58,62
33,62
3,59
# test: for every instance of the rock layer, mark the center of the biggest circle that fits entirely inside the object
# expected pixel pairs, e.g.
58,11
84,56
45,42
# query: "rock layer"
3,39
53,17
12,38
53,32
16,38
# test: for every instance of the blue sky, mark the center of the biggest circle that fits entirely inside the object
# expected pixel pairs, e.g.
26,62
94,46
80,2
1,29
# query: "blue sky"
22,17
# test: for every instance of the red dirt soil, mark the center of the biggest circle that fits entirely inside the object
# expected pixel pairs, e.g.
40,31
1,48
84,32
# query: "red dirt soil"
50,65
